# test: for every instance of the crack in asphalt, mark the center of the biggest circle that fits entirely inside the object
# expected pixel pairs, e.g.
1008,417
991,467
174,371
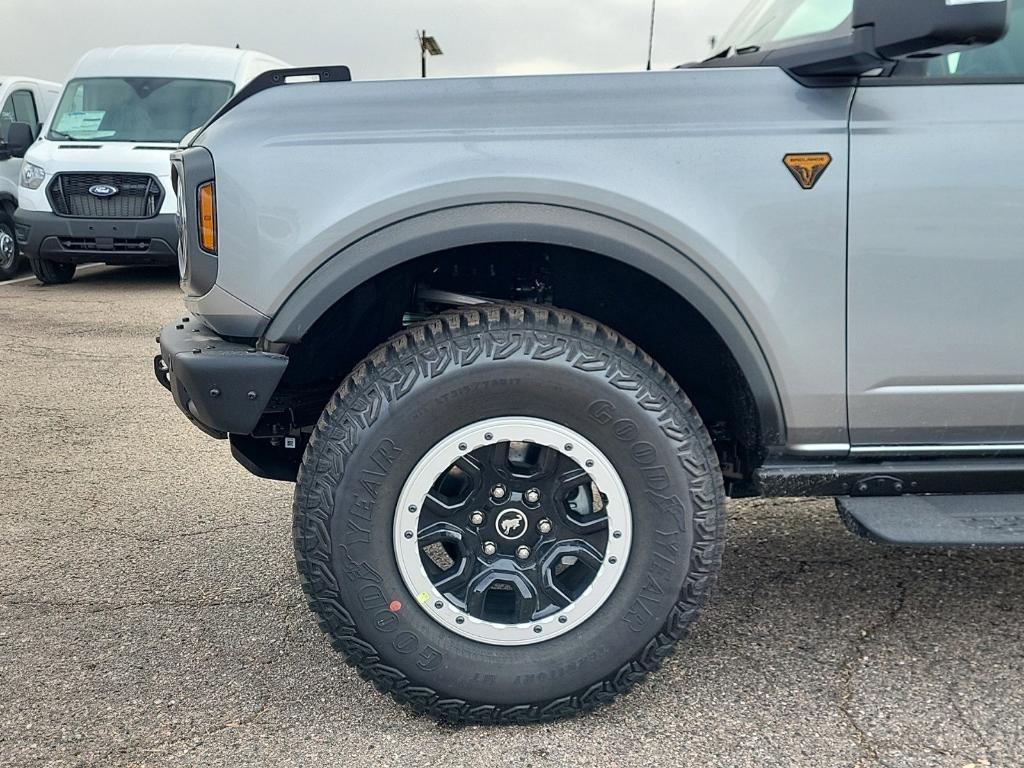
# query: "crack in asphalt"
964,720
848,670
135,536
94,606
200,734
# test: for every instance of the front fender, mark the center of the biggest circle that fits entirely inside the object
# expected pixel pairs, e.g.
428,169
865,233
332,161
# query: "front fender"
540,223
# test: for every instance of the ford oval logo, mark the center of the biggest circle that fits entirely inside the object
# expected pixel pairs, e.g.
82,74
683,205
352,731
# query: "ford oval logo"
103,190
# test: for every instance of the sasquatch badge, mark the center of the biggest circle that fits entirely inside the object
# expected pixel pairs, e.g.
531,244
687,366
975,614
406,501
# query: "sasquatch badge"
808,168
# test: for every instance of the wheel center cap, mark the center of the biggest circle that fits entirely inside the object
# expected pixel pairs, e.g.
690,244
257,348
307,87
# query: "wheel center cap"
511,524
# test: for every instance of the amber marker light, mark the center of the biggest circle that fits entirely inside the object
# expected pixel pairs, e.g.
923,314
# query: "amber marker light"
208,217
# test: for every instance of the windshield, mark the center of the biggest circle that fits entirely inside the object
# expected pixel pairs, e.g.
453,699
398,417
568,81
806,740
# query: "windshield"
136,108
765,23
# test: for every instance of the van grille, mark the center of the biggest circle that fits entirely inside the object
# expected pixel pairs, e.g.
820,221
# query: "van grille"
138,195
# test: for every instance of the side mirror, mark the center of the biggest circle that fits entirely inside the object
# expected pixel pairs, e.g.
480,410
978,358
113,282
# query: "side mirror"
882,32
19,139
911,29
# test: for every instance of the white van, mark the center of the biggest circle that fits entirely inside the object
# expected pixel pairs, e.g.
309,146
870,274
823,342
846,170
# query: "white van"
22,100
96,186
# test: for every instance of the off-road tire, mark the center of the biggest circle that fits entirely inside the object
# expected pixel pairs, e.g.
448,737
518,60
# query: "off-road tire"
51,272
8,267
459,368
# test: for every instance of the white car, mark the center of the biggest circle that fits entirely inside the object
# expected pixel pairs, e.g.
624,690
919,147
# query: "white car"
96,185
25,100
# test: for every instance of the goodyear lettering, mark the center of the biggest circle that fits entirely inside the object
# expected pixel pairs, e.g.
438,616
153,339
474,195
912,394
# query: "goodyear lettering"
385,621
356,571
670,505
644,453
626,430
405,642
601,411
657,485
384,455
369,584
656,478
371,596
429,659
371,482
357,534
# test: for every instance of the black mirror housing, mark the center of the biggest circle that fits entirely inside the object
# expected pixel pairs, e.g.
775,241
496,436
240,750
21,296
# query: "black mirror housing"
19,139
926,28
886,31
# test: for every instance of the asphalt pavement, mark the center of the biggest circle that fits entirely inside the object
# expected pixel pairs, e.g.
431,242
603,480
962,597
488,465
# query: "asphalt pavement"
150,614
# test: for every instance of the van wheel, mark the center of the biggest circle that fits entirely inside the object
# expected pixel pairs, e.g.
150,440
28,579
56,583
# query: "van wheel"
508,514
52,272
10,260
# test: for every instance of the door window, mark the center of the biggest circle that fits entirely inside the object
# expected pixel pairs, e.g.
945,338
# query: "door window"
20,107
1002,59
25,108
6,117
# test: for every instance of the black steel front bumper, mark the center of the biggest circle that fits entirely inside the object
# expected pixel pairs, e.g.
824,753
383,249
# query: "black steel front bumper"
112,241
223,387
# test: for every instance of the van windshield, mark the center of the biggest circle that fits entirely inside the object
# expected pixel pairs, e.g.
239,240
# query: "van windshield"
768,23
136,108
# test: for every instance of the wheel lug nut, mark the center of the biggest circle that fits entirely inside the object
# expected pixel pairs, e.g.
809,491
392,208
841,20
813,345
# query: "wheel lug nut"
498,492
489,548
532,496
477,518
523,552
544,526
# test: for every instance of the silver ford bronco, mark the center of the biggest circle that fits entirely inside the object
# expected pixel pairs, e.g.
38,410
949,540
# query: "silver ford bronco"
517,339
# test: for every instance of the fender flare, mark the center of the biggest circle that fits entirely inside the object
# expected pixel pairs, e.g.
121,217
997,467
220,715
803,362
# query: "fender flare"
482,223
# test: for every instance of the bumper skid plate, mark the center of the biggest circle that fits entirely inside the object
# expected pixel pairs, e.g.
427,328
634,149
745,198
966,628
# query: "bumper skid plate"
221,386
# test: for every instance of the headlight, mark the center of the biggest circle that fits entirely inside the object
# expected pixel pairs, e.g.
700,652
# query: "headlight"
32,176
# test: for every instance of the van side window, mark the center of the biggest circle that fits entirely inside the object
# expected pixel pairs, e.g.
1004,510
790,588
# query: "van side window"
20,107
6,117
1002,59
25,109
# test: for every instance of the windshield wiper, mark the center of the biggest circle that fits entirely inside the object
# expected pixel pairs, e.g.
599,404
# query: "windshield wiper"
62,136
727,52
722,54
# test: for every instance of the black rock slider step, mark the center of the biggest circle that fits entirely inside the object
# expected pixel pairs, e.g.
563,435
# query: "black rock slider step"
983,520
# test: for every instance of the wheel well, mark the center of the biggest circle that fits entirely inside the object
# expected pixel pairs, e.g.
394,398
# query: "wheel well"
627,299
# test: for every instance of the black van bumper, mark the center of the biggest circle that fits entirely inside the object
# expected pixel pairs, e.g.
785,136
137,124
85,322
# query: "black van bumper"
44,235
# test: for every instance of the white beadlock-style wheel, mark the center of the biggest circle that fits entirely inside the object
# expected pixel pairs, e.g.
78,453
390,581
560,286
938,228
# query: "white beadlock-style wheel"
553,509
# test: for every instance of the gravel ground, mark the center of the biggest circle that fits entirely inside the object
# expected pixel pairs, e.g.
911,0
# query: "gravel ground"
150,614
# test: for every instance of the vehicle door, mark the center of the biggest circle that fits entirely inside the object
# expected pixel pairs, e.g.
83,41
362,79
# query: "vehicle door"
18,105
936,254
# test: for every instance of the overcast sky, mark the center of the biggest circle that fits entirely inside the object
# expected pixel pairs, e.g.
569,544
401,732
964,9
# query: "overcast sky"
44,38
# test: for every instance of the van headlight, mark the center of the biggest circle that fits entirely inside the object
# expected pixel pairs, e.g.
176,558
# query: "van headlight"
32,176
